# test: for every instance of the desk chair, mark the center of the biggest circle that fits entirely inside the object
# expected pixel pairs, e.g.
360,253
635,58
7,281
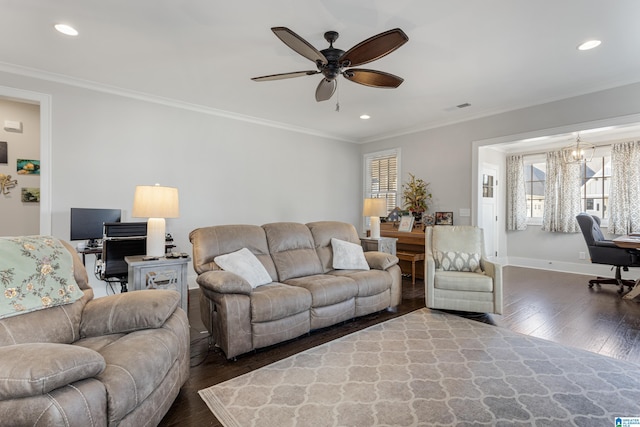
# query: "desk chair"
603,251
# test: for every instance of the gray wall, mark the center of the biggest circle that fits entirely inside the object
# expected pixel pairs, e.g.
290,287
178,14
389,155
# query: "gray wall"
227,171
445,157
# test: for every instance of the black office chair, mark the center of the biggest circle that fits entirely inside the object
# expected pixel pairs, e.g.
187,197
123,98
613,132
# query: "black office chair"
603,251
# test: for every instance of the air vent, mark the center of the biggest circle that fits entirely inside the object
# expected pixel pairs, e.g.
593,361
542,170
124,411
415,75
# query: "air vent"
465,105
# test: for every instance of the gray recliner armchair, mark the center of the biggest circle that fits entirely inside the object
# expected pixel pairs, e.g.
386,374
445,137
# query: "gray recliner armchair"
604,251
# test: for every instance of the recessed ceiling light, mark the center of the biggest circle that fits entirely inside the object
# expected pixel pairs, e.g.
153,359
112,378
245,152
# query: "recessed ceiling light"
589,44
66,29
365,117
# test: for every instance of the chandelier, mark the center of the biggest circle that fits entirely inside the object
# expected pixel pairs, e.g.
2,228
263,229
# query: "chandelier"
578,152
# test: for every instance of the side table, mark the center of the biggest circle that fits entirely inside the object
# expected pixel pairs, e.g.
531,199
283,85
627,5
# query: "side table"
163,273
383,244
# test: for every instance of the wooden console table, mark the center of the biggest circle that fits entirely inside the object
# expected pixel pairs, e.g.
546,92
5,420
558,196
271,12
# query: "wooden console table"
409,249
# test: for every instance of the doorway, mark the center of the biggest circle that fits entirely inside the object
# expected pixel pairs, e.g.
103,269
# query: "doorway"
489,223
44,102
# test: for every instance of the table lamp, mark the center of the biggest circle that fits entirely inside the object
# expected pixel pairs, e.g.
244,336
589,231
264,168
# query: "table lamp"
156,203
375,208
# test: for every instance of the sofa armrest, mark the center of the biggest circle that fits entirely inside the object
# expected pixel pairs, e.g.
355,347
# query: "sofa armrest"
128,312
38,368
380,260
223,282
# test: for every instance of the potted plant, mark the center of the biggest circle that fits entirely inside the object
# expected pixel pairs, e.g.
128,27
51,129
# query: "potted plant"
416,196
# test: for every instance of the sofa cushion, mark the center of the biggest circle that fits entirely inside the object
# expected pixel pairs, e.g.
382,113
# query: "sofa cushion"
209,242
36,273
137,363
323,232
348,256
246,265
370,282
292,249
327,289
33,369
277,301
127,312
463,281
59,324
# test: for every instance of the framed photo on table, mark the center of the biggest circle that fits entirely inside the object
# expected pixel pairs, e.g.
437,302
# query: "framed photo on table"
444,218
406,223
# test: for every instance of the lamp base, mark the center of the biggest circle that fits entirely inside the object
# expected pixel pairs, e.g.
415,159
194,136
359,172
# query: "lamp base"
156,237
375,227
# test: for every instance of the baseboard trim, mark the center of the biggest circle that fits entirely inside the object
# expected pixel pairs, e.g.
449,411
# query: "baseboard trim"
571,267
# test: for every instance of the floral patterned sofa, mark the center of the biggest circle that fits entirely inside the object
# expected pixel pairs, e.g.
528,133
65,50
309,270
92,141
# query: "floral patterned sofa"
67,359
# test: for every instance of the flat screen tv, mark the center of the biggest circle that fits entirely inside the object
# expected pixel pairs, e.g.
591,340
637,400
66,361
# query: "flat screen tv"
87,224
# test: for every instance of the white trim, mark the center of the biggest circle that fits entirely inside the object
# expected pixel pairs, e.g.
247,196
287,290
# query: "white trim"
587,269
113,90
44,101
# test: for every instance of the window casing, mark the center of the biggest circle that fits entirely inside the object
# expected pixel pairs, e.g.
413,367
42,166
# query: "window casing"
381,172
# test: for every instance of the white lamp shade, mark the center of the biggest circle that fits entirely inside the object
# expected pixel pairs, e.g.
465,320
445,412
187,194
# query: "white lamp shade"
374,207
156,203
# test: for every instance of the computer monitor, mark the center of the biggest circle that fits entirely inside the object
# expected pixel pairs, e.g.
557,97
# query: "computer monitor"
87,223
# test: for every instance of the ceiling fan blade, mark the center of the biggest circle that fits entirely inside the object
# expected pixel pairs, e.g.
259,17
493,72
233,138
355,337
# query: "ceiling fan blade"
374,48
284,76
372,78
325,89
299,44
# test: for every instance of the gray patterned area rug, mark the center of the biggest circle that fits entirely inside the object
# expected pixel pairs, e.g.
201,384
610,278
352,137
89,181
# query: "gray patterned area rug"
428,368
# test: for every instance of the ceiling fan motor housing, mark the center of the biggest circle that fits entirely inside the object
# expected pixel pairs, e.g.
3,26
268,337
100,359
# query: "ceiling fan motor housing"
332,68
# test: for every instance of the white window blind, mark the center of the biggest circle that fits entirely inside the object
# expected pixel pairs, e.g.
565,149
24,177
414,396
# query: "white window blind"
381,176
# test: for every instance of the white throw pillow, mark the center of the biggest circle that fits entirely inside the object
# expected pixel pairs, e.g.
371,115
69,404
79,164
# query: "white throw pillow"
348,256
246,265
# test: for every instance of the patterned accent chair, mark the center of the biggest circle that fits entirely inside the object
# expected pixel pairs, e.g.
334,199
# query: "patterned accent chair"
458,276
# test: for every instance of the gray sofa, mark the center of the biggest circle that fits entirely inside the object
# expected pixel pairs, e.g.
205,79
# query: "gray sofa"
305,292
117,360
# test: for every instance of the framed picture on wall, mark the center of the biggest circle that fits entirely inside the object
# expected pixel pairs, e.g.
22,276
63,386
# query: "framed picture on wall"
406,223
28,167
444,218
30,194
4,153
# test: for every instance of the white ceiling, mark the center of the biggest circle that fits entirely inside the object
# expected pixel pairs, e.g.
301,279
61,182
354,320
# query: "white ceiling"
497,55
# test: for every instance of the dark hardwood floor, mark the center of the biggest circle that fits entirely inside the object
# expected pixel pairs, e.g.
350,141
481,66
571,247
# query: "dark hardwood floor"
546,304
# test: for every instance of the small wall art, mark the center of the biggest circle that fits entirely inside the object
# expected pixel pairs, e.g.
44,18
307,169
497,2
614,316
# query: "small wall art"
428,219
444,218
4,152
6,183
28,167
30,194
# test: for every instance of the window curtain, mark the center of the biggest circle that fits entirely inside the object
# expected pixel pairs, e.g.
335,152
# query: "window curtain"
516,194
562,201
624,195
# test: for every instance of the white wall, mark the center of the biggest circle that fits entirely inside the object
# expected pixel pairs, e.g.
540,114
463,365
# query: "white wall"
19,218
445,157
227,171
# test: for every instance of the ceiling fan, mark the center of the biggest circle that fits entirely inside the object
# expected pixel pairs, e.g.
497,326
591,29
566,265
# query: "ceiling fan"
331,62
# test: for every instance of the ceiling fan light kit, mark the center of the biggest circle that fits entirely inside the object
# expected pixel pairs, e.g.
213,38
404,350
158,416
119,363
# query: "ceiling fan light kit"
333,62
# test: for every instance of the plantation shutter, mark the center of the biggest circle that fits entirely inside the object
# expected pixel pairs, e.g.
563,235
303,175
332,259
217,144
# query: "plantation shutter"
381,180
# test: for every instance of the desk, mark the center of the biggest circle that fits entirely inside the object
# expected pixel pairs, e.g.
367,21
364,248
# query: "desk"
163,273
89,251
410,249
629,242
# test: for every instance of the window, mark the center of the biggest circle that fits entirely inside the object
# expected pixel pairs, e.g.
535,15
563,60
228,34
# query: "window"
595,184
535,170
381,176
